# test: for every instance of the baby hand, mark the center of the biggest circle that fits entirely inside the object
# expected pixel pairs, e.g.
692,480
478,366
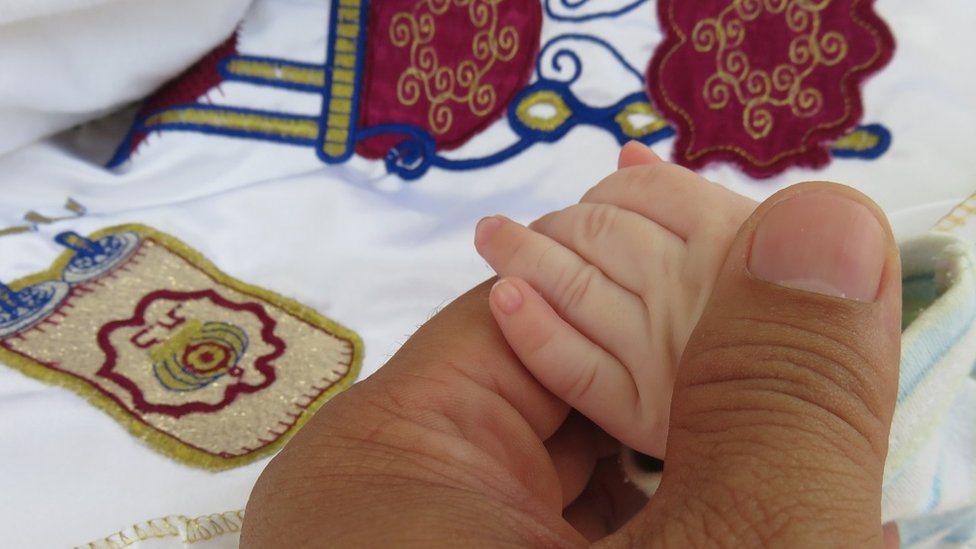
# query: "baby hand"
598,300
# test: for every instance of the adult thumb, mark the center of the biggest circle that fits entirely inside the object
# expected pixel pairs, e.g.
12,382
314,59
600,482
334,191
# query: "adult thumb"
785,392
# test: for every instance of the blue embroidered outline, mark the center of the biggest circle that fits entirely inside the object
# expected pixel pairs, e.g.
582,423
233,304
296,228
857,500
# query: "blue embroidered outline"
330,58
884,142
231,132
588,16
411,158
574,57
24,308
228,75
124,151
177,361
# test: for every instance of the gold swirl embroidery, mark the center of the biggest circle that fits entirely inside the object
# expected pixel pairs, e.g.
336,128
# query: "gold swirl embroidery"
447,87
759,90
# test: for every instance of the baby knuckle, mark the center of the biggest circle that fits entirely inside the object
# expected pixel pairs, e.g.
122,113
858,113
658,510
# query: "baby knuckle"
584,383
598,221
579,286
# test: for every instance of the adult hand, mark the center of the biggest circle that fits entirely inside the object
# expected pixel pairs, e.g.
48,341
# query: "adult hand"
779,420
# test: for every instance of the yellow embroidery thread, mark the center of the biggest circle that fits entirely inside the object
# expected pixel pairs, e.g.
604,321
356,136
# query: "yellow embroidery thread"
162,441
547,98
859,140
444,86
189,530
18,229
35,218
277,71
233,120
641,109
692,154
346,56
757,89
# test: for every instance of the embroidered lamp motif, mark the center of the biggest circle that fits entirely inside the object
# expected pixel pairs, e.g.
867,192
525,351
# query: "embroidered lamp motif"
766,84
209,370
407,81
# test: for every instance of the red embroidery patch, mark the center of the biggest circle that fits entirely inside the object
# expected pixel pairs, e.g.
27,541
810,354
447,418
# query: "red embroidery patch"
766,84
449,67
187,87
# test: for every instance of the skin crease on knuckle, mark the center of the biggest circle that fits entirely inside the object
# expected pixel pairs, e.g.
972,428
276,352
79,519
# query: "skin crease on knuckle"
598,221
582,385
718,509
577,286
785,386
434,466
710,521
808,351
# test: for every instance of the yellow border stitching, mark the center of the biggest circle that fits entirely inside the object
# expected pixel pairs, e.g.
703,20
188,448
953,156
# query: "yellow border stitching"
277,71
958,216
344,67
193,530
164,443
229,119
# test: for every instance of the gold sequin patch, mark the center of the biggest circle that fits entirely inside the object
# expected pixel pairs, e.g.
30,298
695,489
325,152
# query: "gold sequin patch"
207,369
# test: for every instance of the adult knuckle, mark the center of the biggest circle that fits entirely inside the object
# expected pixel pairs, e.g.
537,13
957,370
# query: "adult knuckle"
817,373
753,502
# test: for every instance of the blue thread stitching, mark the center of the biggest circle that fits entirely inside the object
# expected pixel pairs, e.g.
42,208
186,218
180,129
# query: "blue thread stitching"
200,384
577,64
884,142
409,153
124,150
412,157
30,305
11,302
272,82
357,85
589,16
196,384
232,132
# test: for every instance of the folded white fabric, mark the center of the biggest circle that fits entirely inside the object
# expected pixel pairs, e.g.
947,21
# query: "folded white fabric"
930,475
19,10
63,62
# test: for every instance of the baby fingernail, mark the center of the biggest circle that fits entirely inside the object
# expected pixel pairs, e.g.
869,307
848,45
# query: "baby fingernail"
486,227
506,296
820,242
